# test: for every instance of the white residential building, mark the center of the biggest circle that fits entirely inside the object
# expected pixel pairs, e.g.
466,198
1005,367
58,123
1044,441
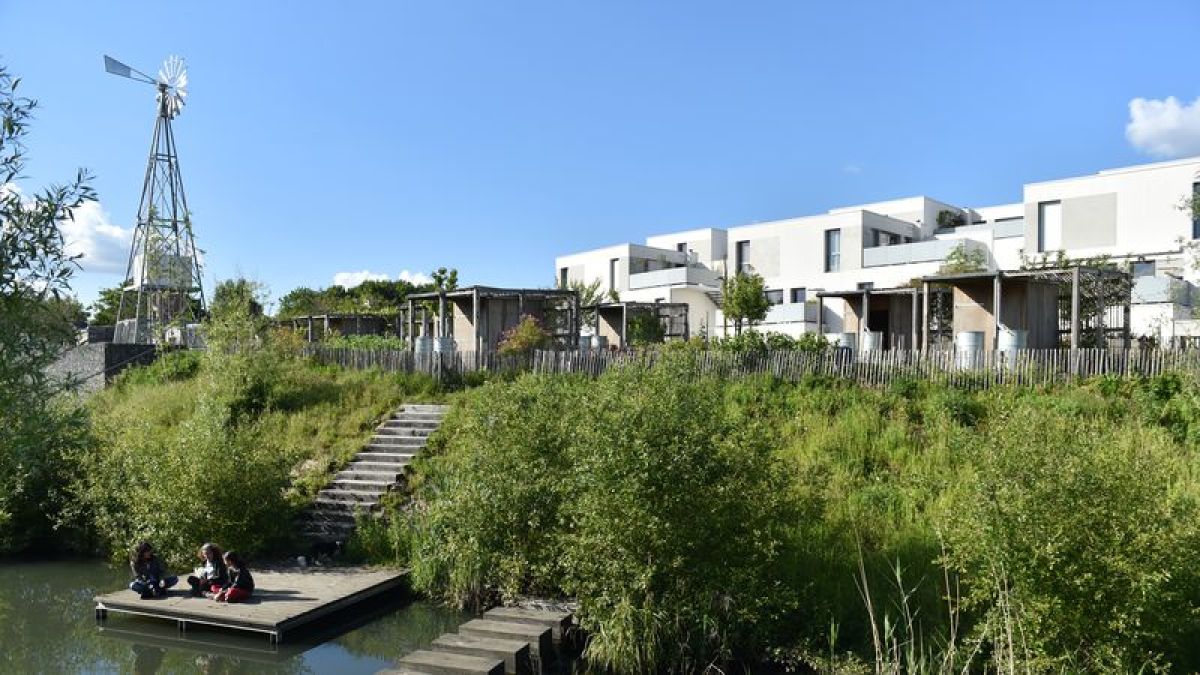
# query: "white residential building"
1132,214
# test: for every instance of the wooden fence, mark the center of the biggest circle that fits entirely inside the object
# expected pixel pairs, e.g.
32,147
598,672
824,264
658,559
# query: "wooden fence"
975,370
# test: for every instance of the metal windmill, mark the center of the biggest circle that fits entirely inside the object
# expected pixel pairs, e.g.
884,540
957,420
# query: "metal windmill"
162,292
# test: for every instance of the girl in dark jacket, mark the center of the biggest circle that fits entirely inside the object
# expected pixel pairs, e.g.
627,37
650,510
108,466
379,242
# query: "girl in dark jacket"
150,578
241,583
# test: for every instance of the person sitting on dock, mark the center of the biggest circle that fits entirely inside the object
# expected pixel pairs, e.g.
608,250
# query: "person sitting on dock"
210,579
241,583
150,578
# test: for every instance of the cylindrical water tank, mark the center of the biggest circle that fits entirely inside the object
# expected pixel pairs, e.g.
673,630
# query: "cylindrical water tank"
585,342
968,347
845,340
444,344
872,341
422,344
1012,340
601,342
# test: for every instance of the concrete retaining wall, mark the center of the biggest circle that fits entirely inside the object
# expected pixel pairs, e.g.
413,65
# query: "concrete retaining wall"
95,365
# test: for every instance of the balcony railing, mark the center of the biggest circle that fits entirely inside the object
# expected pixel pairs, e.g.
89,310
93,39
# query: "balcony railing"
1148,290
918,252
675,276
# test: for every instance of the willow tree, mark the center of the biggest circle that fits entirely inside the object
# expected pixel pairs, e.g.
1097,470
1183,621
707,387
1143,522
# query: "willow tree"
35,275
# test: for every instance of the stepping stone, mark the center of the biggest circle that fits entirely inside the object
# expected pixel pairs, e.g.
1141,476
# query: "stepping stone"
446,663
515,653
541,644
558,622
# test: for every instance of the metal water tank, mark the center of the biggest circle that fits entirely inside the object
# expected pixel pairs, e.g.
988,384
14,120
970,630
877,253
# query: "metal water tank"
585,342
968,348
422,344
601,342
872,341
444,344
1012,340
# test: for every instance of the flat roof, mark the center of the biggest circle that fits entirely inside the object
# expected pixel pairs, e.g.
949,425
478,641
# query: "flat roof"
493,292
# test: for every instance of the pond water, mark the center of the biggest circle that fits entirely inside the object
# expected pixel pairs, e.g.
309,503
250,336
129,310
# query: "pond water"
47,625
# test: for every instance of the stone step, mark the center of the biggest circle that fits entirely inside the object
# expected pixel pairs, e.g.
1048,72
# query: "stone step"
558,622
388,464
447,663
403,432
541,642
339,517
385,454
514,653
353,496
333,502
389,474
407,420
376,486
424,407
418,416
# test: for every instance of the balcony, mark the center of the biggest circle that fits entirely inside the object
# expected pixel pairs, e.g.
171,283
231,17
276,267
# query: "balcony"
934,250
794,312
1148,290
675,276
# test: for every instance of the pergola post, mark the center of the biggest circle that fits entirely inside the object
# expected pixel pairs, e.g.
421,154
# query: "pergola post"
863,322
410,319
912,306
575,321
925,316
996,311
820,316
475,319
1075,308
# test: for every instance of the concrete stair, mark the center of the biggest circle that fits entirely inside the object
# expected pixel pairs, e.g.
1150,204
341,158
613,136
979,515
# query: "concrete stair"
522,641
377,469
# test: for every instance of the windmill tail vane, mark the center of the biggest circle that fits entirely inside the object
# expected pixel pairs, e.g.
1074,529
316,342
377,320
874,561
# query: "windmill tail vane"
162,297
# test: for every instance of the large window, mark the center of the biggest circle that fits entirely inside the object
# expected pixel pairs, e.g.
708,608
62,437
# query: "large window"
799,295
612,274
562,277
774,297
1049,226
833,250
741,257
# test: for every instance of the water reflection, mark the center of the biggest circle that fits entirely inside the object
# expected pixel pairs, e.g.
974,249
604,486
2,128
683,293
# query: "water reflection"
47,626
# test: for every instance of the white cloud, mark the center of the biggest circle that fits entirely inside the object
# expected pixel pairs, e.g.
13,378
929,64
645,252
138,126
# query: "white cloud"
1164,128
104,246
352,279
415,278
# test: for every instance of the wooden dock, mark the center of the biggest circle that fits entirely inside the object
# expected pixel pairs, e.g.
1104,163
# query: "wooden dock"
283,600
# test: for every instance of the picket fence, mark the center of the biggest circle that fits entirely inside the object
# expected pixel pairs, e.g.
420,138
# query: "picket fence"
974,370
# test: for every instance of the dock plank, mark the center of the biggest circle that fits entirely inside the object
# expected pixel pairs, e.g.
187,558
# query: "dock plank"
283,599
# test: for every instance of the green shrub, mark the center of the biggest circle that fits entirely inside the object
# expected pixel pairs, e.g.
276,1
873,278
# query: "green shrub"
523,338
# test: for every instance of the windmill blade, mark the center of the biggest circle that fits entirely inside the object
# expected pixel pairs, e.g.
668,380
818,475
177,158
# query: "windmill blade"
117,68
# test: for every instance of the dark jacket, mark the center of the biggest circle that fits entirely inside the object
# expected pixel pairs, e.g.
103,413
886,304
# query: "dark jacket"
145,570
241,579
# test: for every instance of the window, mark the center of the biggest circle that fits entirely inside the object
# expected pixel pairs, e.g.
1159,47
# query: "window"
774,297
833,250
1143,268
799,295
612,274
562,277
681,247
1049,226
741,259
866,285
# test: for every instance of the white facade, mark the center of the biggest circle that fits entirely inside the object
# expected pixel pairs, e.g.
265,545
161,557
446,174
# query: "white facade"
1131,214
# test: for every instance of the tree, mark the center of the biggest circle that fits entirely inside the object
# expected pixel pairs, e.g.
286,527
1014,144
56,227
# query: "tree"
950,219
35,275
590,295
237,295
104,309
744,300
963,260
236,317
523,338
645,328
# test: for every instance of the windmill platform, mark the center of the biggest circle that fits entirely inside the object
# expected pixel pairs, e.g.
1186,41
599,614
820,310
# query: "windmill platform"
283,600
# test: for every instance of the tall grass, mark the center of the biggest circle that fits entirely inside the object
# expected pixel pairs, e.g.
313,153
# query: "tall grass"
701,521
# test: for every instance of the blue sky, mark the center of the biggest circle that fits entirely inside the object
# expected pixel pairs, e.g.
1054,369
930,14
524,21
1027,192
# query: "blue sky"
325,138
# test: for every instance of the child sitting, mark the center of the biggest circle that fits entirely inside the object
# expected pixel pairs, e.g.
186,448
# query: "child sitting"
150,578
210,579
241,583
